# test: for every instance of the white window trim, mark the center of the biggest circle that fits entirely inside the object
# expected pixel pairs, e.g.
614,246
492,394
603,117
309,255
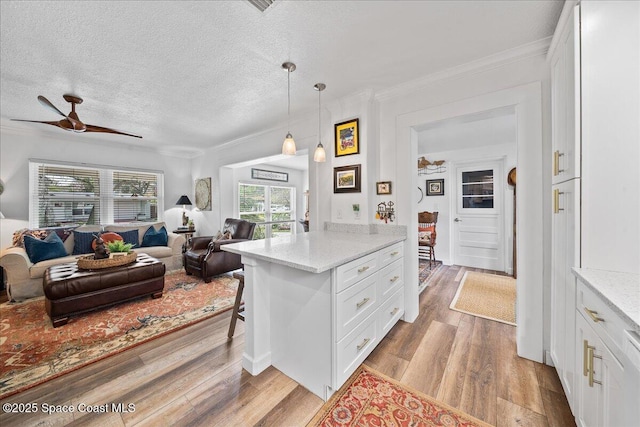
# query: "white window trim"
267,212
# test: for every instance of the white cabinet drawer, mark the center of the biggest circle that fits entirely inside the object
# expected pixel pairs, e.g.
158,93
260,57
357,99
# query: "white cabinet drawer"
354,304
351,272
388,255
390,279
608,325
390,312
354,348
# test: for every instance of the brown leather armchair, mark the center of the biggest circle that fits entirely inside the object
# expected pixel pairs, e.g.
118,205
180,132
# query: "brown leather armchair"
205,258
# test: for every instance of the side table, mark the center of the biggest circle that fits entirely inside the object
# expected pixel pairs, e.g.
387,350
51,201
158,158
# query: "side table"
188,234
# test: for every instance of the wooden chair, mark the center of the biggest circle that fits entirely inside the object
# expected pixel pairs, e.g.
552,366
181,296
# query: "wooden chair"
238,306
427,236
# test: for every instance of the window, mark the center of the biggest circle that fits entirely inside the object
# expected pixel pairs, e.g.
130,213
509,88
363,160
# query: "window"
271,207
477,189
78,194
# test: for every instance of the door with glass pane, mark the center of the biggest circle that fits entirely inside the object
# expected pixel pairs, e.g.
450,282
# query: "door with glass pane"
478,239
271,207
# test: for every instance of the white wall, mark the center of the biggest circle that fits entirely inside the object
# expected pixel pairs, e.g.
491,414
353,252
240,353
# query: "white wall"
16,148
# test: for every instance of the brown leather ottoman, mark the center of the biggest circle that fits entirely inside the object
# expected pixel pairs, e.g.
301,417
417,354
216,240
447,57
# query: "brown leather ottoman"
69,291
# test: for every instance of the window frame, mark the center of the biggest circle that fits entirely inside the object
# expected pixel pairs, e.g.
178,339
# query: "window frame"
268,213
106,197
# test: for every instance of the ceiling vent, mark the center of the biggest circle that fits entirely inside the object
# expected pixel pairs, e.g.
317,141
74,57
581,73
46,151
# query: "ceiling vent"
261,5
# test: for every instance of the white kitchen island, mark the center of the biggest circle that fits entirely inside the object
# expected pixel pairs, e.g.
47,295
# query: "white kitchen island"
318,303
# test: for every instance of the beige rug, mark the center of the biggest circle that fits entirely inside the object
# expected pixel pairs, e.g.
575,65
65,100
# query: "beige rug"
488,296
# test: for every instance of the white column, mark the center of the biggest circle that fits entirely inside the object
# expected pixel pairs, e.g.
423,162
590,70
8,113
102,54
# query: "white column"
257,348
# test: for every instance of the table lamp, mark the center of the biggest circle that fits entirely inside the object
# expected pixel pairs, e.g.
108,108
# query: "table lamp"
184,201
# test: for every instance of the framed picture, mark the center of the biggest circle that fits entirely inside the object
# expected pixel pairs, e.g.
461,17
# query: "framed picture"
269,175
203,194
347,138
383,187
346,179
435,187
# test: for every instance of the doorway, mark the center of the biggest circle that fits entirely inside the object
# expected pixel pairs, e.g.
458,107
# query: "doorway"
527,102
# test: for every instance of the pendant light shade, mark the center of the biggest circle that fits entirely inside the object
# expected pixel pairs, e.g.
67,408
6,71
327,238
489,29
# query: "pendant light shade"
319,155
289,145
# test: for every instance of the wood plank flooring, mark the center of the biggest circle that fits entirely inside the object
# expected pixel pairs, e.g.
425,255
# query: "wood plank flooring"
194,376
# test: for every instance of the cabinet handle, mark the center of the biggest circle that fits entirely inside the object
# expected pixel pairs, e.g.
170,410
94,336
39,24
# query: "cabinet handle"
363,269
395,310
556,201
585,357
363,343
591,357
556,163
394,253
363,302
394,278
592,314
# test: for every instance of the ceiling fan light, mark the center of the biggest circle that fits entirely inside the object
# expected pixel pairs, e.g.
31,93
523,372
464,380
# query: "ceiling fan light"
320,155
289,145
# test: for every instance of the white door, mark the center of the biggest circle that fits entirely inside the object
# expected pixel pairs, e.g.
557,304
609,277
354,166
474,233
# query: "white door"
478,238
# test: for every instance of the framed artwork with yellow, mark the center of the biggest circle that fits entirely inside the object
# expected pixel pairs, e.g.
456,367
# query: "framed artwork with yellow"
347,138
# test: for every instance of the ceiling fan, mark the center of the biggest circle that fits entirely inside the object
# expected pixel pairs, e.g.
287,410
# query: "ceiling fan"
71,122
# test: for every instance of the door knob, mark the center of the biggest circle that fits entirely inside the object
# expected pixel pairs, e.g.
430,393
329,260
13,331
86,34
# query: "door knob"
457,220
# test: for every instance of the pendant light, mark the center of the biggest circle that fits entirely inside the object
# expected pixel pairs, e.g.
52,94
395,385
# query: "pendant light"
289,145
319,155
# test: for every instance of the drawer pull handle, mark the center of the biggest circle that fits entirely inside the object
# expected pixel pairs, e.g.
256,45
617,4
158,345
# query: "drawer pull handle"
585,357
556,163
363,269
556,201
591,370
394,253
395,310
363,343
394,278
593,315
363,302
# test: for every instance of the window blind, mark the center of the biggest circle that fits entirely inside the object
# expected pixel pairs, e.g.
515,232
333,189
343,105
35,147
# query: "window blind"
75,195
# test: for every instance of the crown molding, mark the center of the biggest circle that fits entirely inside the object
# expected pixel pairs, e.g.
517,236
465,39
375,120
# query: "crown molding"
536,48
562,21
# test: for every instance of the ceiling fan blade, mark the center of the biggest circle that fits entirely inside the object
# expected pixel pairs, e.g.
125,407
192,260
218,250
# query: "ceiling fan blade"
55,123
92,128
44,101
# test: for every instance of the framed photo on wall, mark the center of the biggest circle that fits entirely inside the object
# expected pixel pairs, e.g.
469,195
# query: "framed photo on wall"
383,187
346,179
347,138
435,187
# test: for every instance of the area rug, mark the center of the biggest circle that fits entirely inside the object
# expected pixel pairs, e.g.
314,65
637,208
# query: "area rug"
369,398
32,351
425,271
488,296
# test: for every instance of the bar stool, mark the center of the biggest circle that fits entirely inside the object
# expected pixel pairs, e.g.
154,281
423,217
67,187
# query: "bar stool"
238,306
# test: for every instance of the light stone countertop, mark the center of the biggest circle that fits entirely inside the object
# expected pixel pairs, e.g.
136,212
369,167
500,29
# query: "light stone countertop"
620,291
316,251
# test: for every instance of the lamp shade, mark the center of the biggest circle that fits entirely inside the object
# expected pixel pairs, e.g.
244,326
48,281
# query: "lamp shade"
183,200
319,155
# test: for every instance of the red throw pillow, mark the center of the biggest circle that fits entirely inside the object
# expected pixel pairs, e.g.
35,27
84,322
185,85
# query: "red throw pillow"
107,237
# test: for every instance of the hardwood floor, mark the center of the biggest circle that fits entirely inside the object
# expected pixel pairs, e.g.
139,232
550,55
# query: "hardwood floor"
194,376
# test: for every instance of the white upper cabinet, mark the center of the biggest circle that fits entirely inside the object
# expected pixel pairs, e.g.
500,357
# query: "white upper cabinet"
565,101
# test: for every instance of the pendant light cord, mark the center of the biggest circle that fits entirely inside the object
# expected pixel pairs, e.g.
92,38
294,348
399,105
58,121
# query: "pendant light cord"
319,138
289,99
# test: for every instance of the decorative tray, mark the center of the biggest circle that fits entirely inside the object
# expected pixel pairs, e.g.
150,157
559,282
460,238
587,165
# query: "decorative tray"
88,263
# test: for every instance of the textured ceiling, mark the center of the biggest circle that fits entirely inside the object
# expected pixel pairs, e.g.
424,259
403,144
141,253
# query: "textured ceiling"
188,75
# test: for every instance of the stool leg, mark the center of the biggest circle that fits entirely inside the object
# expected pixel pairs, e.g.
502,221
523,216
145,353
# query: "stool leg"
236,308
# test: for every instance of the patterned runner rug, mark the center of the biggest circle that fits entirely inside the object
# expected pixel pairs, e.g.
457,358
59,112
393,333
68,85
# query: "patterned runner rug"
32,351
370,398
489,296
425,271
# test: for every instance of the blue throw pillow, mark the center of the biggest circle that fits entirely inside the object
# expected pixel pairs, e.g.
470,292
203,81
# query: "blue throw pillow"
130,237
41,250
153,237
82,242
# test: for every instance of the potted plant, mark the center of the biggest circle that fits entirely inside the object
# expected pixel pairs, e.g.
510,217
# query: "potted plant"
192,226
119,248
